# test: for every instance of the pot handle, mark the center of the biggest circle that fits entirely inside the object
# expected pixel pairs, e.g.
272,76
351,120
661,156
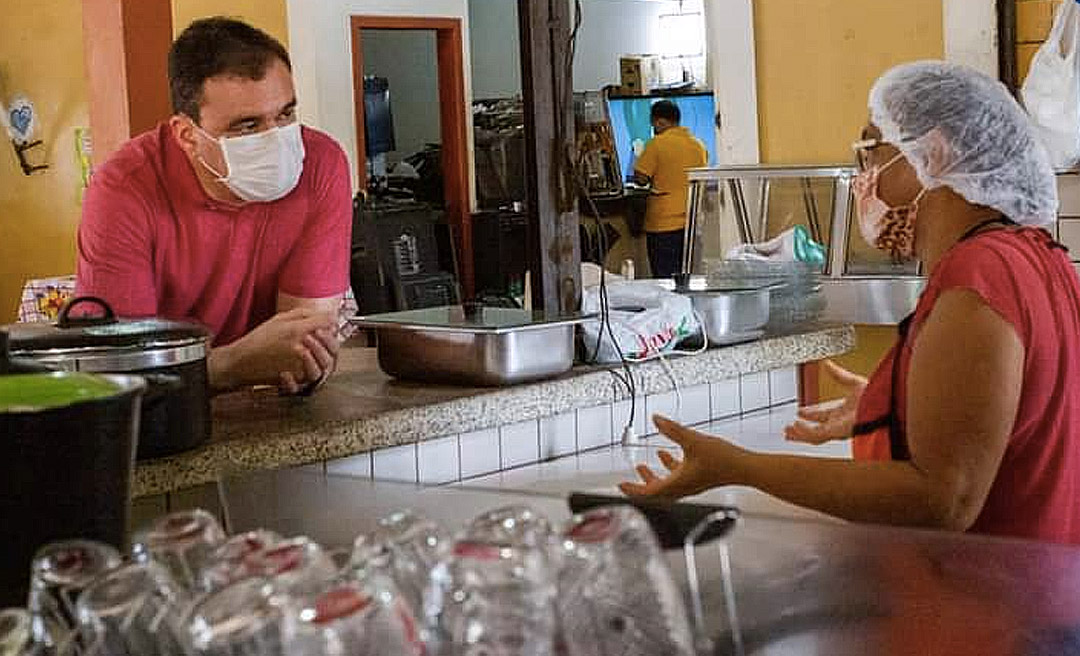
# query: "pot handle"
65,320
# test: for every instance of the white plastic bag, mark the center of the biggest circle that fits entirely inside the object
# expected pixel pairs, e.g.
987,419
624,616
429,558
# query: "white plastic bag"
646,319
1051,92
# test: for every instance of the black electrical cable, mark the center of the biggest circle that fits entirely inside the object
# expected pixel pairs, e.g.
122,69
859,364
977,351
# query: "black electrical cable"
626,378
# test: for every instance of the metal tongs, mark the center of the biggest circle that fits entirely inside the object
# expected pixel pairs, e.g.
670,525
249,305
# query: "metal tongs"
723,520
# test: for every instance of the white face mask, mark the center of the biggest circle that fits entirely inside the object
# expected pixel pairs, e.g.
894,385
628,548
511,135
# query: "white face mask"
262,167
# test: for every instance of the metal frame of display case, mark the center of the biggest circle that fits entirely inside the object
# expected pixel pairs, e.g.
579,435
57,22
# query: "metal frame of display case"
876,299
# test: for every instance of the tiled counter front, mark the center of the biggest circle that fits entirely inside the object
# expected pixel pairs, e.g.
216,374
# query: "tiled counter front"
365,424
476,453
1068,225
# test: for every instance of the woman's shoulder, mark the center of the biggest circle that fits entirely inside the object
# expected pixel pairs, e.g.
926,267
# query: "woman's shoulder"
1013,253
1011,270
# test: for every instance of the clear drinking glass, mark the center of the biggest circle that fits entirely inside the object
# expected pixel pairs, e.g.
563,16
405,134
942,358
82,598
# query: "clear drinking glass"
242,619
616,594
494,593
405,548
515,525
294,564
181,542
134,610
351,618
14,632
59,573
227,563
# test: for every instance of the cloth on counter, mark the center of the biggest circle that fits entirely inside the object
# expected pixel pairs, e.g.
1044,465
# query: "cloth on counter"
793,245
42,298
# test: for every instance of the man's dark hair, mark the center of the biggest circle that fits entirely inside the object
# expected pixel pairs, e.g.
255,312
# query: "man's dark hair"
666,110
217,46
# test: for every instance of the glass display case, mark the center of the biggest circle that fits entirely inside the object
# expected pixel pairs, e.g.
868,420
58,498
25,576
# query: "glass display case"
732,205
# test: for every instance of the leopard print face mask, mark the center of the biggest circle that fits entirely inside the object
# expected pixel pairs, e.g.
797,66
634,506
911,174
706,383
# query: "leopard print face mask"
890,229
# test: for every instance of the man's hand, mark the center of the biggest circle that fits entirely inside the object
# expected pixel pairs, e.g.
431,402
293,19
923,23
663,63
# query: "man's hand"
322,351
831,420
297,346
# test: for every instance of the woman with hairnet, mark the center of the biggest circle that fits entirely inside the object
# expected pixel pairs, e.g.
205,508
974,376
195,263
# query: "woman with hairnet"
972,421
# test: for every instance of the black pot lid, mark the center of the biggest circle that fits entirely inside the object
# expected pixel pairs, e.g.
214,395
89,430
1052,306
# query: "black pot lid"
102,330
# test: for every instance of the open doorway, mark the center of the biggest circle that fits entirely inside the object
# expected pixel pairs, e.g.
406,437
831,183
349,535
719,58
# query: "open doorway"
409,90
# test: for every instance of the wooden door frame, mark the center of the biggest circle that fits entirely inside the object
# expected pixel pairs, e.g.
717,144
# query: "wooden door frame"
450,47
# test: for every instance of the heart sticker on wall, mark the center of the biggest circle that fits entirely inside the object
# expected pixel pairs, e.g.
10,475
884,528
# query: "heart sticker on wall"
20,120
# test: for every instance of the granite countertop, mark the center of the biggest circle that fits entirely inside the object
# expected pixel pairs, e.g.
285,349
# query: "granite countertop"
361,409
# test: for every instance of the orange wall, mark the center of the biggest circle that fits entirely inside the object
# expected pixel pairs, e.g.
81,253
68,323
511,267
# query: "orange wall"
41,57
816,61
267,15
1033,21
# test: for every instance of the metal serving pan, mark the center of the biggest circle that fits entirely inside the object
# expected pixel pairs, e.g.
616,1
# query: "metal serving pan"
488,347
732,313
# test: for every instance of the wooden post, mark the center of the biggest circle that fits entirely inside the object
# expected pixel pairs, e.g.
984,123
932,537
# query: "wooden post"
127,44
1007,65
551,197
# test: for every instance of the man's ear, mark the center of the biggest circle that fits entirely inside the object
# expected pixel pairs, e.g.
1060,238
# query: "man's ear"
183,129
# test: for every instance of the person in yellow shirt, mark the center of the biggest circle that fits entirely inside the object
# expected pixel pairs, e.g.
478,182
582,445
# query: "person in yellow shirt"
664,163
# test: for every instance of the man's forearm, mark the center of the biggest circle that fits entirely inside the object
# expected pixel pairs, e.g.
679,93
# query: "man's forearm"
875,492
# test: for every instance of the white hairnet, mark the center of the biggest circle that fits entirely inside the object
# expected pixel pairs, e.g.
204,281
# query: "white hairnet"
961,129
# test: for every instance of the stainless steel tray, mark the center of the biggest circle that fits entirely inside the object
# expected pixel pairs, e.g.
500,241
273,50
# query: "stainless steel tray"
499,346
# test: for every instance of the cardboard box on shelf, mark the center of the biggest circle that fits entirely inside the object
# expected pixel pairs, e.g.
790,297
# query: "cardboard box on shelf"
639,74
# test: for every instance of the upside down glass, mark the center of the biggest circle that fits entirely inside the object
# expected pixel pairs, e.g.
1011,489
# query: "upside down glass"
616,594
134,610
182,543
228,562
351,618
494,594
405,548
242,619
59,573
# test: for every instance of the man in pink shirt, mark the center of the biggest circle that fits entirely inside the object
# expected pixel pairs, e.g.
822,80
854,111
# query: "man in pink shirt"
229,214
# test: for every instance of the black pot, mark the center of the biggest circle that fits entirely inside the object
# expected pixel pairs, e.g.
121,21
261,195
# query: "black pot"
171,356
68,455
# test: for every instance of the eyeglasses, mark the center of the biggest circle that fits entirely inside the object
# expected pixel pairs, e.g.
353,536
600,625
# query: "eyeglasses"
862,149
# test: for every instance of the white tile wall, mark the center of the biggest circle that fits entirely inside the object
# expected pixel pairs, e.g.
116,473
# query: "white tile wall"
438,461
448,459
480,452
725,398
620,414
358,465
397,463
783,386
520,443
695,405
754,390
594,427
1069,234
1069,195
664,403
558,436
